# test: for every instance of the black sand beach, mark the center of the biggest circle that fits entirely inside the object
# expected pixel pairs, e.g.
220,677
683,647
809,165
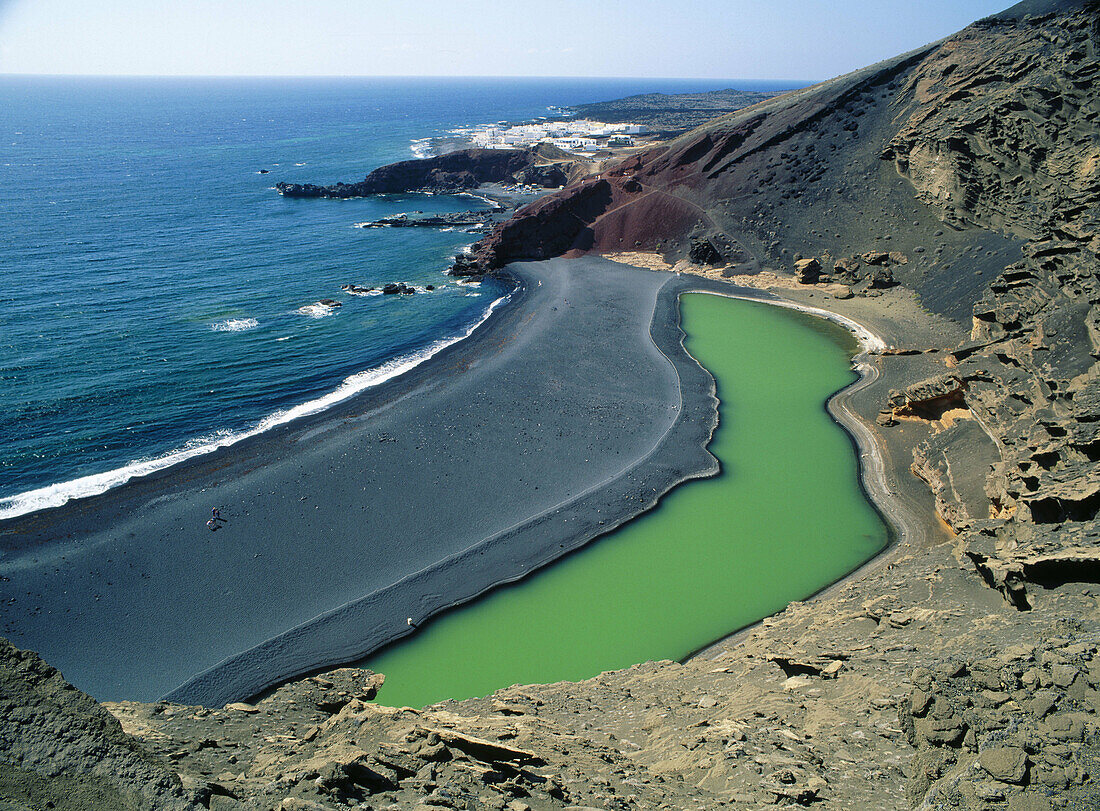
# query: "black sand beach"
557,420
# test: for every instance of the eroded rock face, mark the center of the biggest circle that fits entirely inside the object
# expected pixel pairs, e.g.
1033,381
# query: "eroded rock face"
1003,130
1012,109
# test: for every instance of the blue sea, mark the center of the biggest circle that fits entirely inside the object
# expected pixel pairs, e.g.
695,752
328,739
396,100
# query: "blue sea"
159,299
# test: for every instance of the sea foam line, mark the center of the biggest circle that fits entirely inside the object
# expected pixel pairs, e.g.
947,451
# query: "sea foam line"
235,325
55,495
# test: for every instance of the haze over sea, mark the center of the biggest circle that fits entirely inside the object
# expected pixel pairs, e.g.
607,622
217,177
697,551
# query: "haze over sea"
156,295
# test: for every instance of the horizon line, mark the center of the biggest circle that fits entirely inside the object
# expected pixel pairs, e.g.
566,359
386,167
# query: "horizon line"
6,75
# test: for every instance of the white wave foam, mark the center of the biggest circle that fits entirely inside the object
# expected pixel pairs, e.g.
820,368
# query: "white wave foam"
235,325
317,310
363,292
55,495
422,148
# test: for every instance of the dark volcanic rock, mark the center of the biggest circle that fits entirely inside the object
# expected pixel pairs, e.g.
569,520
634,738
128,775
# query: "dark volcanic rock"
397,288
703,252
50,730
548,227
546,177
455,171
467,220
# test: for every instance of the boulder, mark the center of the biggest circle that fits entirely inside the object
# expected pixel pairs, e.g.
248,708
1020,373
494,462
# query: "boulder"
1005,763
397,288
807,271
703,252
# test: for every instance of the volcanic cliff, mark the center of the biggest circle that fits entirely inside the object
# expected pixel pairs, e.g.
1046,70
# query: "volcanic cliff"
968,171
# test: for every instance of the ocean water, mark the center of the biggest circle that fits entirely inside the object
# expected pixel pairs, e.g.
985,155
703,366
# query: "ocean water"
158,297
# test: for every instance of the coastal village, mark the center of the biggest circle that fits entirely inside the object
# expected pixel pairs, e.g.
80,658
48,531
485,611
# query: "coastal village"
573,136
579,136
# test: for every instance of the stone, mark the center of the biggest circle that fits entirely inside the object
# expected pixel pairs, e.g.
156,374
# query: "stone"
1042,703
1029,801
1066,728
1005,763
1052,777
1063,675
507,707
220,802
484,750
299,804
240,706
989,791
922,678
945,731
703,252
807,271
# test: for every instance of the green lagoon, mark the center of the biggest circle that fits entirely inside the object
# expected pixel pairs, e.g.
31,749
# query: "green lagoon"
784,518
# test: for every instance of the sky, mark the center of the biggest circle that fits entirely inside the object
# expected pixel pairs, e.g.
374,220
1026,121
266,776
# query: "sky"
713,39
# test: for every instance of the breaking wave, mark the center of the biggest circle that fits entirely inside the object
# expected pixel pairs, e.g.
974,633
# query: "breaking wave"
235,325
55,495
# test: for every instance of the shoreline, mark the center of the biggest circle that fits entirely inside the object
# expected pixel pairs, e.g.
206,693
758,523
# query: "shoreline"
366,621
58,494
694,418
903,527
103,581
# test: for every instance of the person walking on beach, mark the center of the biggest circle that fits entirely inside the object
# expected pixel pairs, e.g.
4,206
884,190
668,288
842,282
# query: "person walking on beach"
215,518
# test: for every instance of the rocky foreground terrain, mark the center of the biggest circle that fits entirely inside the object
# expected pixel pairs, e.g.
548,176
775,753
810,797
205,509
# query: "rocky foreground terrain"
948,199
